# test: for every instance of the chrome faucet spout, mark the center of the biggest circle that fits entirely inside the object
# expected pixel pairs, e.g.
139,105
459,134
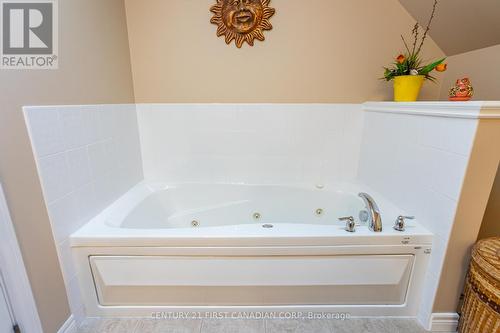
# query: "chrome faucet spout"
374,217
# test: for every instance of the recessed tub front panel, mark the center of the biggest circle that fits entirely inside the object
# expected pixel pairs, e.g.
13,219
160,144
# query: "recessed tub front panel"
265,280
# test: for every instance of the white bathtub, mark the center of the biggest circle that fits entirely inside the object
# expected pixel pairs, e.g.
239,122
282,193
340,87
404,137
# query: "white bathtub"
196,247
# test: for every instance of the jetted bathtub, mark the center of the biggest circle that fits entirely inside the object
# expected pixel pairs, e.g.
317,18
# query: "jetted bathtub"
230,247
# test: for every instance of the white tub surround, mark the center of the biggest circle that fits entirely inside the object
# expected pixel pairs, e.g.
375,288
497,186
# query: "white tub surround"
418,156
412,157
87,157
250,143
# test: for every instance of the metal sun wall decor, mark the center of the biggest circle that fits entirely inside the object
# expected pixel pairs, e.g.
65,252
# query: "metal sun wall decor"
242,20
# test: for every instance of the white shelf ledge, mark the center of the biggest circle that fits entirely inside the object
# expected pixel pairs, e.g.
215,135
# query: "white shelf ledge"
468,110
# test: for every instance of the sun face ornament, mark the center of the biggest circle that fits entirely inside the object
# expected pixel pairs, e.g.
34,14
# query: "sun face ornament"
242,20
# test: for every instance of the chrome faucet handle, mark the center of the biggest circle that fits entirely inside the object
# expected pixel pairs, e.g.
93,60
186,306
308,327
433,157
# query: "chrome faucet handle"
350,225
400,223
372,215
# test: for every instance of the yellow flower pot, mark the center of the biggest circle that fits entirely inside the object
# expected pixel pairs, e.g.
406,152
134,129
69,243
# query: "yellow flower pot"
407,87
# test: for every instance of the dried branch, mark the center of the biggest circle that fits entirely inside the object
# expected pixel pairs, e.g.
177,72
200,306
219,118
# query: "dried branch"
428,25
406,45
414,32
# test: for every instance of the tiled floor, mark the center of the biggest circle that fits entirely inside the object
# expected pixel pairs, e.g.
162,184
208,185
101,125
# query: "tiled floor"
249,326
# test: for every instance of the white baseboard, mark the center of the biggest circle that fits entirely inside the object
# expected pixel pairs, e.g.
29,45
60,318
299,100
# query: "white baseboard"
69,326
444,322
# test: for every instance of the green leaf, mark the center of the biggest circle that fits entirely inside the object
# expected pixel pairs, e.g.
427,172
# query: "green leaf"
429,68
388,74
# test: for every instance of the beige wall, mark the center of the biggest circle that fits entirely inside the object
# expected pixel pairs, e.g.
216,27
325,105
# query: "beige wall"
491,220
460,25
94,68
483,69
318,51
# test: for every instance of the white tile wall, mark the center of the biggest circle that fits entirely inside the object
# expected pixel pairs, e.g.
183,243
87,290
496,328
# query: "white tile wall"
87,156
257,143
419,163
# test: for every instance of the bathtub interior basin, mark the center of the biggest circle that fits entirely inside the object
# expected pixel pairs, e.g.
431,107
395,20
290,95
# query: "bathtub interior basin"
215,214
211,205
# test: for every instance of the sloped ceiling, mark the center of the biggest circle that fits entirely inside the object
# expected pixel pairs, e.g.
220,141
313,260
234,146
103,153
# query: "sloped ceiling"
460,25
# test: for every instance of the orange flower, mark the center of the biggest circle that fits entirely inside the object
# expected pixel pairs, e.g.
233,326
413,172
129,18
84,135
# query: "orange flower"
400,59
441,67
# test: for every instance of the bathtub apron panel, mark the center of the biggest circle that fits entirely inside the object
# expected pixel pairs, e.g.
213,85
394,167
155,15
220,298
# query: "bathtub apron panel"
275,280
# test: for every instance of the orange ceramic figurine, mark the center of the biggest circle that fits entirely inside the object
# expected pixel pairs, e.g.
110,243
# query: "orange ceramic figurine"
462,91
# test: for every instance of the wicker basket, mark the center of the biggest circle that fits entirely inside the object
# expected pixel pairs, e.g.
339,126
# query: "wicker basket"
480,311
